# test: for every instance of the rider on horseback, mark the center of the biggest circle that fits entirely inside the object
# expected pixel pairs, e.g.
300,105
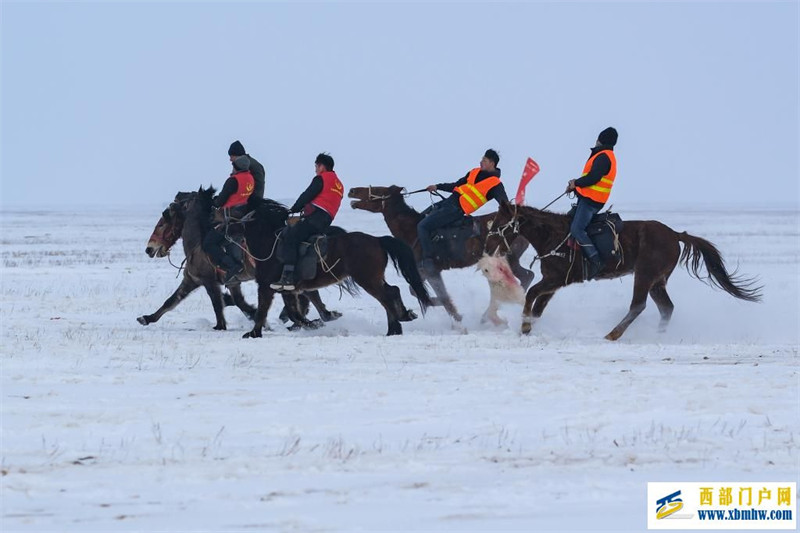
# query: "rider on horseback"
234,195
476,188
319,204
593,189
256,168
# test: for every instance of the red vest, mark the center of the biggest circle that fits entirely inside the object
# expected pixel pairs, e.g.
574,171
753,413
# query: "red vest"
245,183
331,196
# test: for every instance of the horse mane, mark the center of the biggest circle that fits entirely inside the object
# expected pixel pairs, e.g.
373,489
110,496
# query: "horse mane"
539,215
400,204
269,212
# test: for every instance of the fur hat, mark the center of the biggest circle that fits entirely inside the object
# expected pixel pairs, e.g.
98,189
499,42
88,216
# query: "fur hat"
236,149
608,137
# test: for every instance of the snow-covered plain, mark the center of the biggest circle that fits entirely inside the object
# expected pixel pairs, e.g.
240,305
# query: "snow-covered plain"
109,425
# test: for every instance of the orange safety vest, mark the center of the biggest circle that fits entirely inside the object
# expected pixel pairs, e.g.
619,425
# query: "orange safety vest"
600,191
473,195
330,198
244,189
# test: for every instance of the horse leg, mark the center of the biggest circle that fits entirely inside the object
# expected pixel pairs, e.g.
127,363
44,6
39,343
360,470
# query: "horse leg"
665,306
437,284
638,303
183,290
536,300
389,297
265,295
300,308
240,302
524,275
215,293
319,305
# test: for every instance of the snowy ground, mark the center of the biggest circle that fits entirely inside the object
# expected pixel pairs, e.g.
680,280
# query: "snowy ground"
109,425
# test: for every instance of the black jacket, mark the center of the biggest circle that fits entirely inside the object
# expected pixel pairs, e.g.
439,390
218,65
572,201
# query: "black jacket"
259,176
497,193
309,194
600,167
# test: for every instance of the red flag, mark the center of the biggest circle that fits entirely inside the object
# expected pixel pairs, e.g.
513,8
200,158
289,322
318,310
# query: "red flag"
530,170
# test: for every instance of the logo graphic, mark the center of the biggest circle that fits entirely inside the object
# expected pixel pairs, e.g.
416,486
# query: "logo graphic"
668,505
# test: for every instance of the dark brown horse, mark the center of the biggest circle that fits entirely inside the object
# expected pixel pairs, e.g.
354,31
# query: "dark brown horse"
176,222
650,251
351,258
402,221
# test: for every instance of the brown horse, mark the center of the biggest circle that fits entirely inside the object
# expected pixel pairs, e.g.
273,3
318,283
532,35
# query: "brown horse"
650,251
402,221
352,258
177,222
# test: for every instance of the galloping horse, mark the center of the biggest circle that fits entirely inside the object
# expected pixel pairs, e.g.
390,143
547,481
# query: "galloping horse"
176,222
650,251
402,221
351,258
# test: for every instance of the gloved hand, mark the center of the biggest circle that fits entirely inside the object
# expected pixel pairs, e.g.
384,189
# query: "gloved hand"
430,188
570,186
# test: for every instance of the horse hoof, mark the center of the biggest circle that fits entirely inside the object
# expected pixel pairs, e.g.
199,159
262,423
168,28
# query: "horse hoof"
408,316
220,328
142,320
526,327
613,336
314,324
330,316
252,334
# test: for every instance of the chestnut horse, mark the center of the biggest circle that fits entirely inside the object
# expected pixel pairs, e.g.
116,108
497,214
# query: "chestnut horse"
178,222
650,251
402,221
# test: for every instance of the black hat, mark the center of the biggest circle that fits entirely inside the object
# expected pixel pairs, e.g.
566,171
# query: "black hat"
236,149
491,155
324,159
608,137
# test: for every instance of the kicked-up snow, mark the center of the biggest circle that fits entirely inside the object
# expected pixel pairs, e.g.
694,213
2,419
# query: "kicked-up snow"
110,425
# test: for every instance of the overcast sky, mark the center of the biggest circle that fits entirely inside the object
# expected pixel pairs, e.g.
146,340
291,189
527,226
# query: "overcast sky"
128,103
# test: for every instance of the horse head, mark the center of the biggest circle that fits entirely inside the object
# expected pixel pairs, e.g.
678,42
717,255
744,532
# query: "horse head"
374,199
503,229
168,228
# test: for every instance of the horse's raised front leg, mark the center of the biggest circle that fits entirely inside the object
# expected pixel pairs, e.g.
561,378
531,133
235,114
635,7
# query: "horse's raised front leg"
535,301
437,284
215,293
638,303
183,290
238,299
524,275
265,295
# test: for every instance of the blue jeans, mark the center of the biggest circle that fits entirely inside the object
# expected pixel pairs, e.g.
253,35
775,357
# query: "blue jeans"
444,213
583,216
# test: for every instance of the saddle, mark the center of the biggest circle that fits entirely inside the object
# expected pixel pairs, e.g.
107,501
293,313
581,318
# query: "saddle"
603,231
450,242
311,252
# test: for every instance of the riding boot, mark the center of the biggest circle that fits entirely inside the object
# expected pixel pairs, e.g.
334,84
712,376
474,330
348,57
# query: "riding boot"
595,266
232,269
286,283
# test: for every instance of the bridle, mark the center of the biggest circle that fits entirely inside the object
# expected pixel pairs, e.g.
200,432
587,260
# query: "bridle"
513,225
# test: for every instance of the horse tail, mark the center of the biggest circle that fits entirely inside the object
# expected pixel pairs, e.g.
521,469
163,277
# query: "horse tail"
404,262
696,248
